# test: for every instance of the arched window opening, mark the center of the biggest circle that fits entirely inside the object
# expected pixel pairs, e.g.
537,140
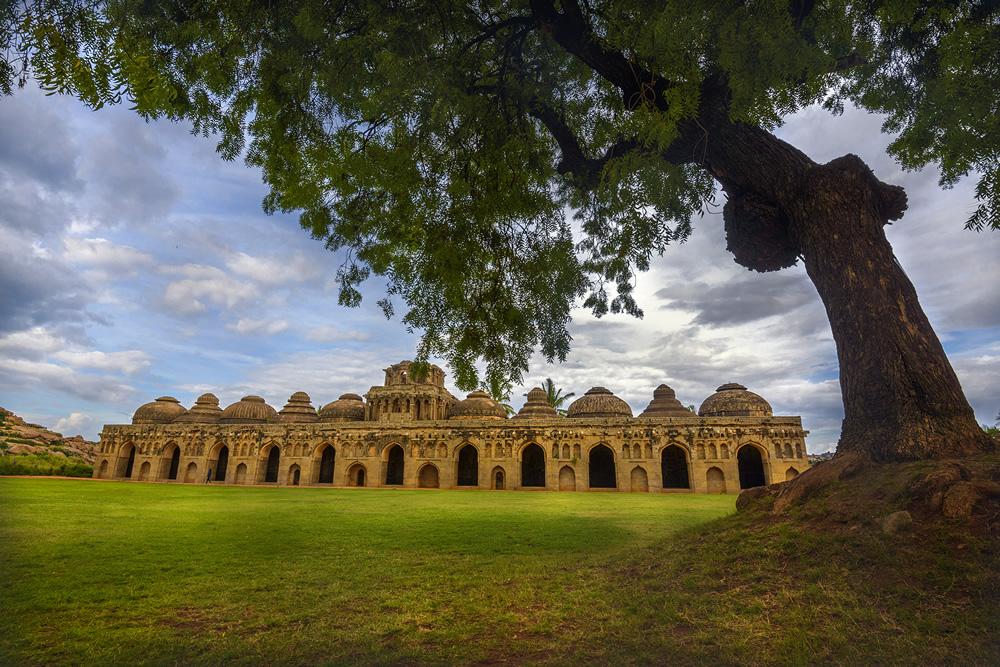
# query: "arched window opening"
567,479
273,457
326,464
533,466
468,466
673,467
602,468
222,465
428,477
394,467
751,467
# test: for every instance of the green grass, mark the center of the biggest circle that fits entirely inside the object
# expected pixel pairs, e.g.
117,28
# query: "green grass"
115,573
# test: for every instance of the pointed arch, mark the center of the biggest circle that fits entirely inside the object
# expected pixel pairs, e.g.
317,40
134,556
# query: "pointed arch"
427,477
532,465
791,474
357,475
716,480
270,461
467,465
498,478
750,461
601,467
241,473
324,462
394,462
170,462
674,467
640,480
567,479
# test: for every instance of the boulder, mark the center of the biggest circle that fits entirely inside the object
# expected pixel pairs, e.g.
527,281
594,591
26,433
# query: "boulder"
897,522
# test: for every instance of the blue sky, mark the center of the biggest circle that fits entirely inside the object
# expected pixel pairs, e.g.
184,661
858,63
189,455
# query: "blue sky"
135,263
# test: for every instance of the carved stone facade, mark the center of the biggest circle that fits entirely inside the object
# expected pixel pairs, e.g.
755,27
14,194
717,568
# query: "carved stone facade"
415,434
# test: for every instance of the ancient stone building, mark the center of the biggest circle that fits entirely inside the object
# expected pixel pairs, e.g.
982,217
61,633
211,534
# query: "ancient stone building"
412,433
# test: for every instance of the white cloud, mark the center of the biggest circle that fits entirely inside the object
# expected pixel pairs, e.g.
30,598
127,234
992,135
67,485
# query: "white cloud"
204,285
331,334
128,362
33,343
275,270
251,327
77,422
121,259
59,379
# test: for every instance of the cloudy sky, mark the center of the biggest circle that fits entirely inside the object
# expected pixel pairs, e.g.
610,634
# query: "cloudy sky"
135,263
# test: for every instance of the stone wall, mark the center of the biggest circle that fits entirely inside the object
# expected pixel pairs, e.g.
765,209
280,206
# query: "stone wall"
626,455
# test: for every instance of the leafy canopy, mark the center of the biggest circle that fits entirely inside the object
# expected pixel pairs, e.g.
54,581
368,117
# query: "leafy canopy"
457,149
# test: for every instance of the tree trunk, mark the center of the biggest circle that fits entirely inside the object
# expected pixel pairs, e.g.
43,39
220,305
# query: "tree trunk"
902,399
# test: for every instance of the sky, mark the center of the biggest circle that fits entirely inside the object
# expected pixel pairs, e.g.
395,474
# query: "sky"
135,263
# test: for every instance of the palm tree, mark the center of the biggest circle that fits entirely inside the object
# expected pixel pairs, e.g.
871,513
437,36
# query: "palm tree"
555,397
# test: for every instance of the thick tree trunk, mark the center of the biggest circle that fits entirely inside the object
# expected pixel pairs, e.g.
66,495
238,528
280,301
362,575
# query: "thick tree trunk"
902,399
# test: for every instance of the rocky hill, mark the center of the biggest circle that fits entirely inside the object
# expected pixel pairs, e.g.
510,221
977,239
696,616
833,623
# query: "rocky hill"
20,437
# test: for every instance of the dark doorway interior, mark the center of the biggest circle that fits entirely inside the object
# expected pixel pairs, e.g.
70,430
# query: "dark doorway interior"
131,462
533,466
271,475
175,463
602,468
361,477
326,466
673,466
223,463
394,467
468,466
751,467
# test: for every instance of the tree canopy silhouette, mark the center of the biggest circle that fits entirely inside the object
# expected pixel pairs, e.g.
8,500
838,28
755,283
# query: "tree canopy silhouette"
441,144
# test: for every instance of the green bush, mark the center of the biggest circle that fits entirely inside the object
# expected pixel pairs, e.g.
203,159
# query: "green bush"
44,464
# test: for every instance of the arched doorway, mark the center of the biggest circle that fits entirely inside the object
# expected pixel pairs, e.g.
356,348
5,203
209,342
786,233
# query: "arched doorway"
498,478
294,475
394,466
567,479
126,463
751,467
273,459
468,466
602,468
356,475
791,474
428,477
640,480
673,467
716,480
221,465
191,474
171,464
533,466
326,463
241,473
144,471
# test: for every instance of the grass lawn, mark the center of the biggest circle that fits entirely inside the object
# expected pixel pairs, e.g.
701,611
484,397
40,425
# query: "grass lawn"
114,573
118,572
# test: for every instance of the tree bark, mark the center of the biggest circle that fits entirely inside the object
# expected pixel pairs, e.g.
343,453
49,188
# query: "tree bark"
902,399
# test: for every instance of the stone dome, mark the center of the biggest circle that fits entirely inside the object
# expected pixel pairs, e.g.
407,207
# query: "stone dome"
347,408
249,410
477,405
665,404
537,406
299,409
206,410
598,403
733,400
163,410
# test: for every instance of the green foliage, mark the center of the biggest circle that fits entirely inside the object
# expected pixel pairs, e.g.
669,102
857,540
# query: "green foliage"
44,464
440,145
555,397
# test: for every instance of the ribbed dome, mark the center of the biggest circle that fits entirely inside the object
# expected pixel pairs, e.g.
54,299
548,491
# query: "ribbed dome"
598,403
206,410
665,404
477,405
537,406
299,409
163,410
250,410
347,408
733,400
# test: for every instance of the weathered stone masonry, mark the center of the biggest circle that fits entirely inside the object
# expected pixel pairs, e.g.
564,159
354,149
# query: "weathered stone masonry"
414,434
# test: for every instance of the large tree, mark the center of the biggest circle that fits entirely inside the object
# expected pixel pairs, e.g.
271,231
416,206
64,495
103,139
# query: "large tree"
442,143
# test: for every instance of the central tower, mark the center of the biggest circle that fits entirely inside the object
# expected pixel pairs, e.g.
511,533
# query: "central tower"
408,398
